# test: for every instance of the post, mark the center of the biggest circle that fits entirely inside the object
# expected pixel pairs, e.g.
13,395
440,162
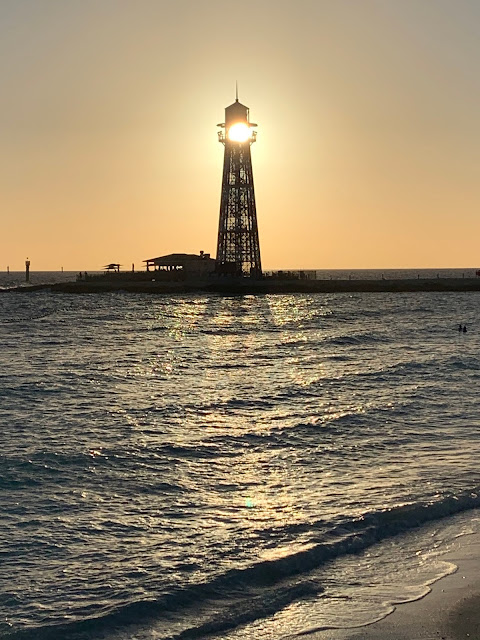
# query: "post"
27,270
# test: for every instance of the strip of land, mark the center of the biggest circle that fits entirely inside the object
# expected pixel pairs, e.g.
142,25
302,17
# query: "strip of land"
246,286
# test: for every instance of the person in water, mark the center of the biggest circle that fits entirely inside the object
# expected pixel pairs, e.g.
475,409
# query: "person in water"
464,328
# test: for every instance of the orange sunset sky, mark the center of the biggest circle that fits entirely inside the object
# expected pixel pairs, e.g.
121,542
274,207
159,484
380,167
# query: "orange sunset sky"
367,153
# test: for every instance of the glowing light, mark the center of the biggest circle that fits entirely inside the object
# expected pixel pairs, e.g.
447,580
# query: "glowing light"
239,132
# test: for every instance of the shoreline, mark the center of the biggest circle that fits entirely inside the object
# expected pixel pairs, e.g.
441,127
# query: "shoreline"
450,611
253,287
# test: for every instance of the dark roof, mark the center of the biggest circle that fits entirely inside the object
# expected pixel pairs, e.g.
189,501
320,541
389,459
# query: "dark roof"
237,105
177,258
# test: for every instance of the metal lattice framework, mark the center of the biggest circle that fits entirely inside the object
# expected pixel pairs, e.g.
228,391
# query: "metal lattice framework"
238,247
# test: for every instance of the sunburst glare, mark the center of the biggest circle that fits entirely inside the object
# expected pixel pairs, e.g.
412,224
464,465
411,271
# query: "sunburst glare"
239,132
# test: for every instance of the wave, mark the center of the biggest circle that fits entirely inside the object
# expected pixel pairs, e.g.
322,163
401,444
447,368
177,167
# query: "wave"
242,595
356,339
465,363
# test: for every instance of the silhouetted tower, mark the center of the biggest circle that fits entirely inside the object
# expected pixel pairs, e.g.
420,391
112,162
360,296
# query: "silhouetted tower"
238,247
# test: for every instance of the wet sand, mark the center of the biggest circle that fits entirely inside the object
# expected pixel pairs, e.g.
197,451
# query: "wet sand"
451,611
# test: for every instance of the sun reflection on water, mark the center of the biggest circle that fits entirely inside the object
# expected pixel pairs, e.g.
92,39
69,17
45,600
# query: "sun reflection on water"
203,440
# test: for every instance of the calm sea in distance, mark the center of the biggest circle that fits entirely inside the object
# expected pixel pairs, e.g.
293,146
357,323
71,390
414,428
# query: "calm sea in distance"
235,467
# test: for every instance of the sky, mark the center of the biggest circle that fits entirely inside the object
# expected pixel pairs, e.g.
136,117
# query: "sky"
368,146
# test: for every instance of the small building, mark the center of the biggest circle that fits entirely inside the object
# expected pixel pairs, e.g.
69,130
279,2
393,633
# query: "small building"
187,263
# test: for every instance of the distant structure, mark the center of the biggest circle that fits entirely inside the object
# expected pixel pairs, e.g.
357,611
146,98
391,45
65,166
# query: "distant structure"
27,270
112,267
188,264
238,246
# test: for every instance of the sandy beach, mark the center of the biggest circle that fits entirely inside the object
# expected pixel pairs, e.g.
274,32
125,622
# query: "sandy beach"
451,611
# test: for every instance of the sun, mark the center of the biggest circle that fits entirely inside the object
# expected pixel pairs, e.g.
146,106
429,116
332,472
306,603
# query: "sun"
239,132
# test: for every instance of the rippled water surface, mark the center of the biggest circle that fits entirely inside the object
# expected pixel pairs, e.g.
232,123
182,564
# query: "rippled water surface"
173,467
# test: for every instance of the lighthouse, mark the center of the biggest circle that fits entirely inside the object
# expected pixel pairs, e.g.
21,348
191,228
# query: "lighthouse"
238,246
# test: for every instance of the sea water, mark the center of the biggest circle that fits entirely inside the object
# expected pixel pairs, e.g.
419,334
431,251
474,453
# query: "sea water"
231,466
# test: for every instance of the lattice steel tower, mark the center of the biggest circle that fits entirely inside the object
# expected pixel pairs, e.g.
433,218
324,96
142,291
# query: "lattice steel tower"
238,247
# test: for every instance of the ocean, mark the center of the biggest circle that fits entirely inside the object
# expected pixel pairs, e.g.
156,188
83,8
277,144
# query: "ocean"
235,467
